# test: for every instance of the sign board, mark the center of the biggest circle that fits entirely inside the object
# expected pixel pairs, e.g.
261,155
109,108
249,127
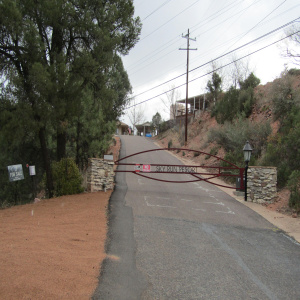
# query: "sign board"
176,169
108,157
137,168
31,170
146,168
15,172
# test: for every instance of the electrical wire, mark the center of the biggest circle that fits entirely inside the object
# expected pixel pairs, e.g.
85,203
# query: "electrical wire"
166,2
208,73
259,22
169,20
206,20
221,56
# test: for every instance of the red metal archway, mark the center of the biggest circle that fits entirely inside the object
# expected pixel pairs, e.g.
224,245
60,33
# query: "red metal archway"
200,172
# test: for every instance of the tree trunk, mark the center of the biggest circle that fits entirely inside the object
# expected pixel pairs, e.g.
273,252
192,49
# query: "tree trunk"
78,143
61,144
46,159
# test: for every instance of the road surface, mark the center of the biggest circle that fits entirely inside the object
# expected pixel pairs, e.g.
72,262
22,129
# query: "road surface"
190,241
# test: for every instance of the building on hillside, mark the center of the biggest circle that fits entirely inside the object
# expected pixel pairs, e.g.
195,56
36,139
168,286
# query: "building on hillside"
175,109
144,129
196,104
122,128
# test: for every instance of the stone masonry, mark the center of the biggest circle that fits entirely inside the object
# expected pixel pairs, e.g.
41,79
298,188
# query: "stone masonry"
100,175
261,184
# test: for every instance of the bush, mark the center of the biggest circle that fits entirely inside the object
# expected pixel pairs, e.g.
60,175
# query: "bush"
294,186
236,101
66,177
233,136
170,143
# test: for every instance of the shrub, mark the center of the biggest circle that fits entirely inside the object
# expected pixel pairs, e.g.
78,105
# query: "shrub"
294,186
66,177
170,143
233,136
214,150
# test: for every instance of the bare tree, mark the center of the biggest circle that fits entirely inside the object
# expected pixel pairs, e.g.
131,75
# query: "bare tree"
238,71
169,101
293,45
136,114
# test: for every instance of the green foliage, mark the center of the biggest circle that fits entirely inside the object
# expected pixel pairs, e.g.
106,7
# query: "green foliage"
294,72
170,144
214,150
66,177
214,86
233,136
164,126
285,98
226,108
156,121
294,186
283,148
250,82
283,152
236,101
54,53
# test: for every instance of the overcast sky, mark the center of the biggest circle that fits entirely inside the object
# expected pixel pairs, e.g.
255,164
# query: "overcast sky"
219,26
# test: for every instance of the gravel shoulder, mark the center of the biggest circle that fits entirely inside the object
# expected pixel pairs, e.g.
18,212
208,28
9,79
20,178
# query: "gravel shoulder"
53,249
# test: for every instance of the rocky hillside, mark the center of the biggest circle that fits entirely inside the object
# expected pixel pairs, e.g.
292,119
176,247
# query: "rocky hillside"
282,117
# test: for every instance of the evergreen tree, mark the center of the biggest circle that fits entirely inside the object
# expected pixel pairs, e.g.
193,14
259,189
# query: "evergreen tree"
51,51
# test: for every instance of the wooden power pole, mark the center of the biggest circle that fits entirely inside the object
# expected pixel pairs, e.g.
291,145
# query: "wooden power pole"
187,37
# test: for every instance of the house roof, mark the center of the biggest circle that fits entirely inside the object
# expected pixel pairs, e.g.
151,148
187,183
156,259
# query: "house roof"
122,124
147,124
191,99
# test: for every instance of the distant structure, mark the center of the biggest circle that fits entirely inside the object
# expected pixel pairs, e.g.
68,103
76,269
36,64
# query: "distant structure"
176,109
195,105
122,128
144,129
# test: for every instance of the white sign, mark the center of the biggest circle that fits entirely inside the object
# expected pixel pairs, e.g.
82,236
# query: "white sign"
137,168
15,172
108,157
31,170
146,168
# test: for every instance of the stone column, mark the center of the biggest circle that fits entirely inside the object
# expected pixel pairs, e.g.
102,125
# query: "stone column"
100,175
262,184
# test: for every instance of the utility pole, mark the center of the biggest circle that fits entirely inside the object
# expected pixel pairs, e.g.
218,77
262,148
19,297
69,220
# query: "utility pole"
187,37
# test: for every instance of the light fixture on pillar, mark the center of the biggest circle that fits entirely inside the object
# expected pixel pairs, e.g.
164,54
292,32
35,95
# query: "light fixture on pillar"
247,155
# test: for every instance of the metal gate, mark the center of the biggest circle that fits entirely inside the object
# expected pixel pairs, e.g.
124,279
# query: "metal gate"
199,172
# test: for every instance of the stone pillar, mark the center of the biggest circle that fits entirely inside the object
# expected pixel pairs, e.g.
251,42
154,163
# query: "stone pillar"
262,184
100,175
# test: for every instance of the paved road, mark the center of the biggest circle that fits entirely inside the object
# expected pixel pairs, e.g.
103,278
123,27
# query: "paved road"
191,241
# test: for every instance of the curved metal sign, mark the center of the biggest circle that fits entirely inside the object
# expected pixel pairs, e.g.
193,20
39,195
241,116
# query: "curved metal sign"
198,171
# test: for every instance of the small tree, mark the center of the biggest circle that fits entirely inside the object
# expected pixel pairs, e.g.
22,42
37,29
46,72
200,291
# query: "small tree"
292,47
214,86
136,115
156,121
170,101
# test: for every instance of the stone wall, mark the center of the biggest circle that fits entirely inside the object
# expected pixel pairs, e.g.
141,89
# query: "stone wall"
261,184
100,175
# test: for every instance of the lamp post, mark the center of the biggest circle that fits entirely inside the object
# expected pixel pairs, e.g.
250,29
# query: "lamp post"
247,155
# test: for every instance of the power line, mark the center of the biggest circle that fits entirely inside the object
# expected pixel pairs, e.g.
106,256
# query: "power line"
259,22
169,20
156,10
207,20
225,54
208,73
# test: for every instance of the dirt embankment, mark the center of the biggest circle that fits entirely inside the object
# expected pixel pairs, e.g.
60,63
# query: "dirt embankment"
53,249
